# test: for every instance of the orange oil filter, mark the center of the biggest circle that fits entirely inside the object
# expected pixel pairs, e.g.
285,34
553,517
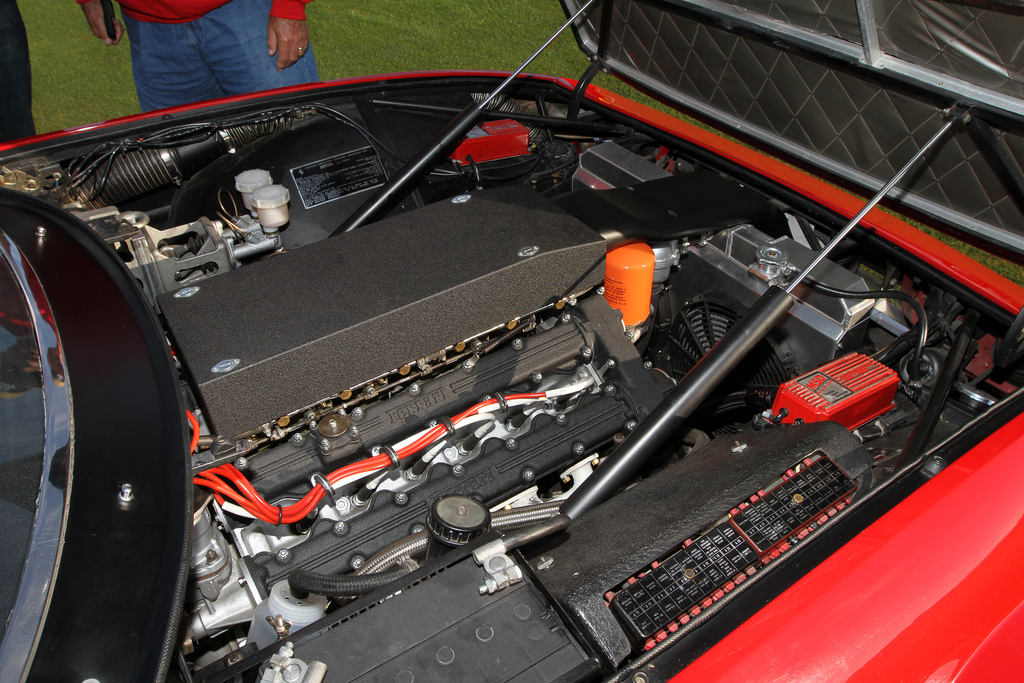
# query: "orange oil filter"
628,279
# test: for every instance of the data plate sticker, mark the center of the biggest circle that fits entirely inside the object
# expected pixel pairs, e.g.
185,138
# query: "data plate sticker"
339,176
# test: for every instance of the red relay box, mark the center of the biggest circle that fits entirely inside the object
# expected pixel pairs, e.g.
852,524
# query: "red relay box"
493,140
850,390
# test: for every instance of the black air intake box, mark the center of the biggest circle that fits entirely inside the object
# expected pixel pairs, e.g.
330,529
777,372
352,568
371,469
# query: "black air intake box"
310,323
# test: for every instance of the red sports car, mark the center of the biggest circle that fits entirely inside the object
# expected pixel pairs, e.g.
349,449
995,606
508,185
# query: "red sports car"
490,377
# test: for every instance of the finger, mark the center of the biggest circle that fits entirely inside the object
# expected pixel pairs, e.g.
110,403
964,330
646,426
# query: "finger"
118,32
272,40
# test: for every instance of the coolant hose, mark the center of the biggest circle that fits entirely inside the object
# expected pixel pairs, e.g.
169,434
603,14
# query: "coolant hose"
303,581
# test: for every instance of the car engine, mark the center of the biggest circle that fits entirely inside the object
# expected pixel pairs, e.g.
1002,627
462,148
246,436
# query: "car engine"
377,404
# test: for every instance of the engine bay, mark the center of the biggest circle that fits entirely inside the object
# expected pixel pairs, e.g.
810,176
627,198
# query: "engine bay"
386,422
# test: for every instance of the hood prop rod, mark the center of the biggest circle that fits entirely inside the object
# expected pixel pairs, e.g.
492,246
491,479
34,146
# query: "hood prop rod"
399,184
713,368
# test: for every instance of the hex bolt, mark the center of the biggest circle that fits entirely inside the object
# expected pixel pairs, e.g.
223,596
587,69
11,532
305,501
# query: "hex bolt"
241,462
211,555
325,445
648,365
458,469
283,555
565,317
340,528
414,389
401,498
529,474
517,344
297,439
609,389
511,444
357,413
579,448
586,353
631,425
126,494
353,431
562,419
536,377
357,561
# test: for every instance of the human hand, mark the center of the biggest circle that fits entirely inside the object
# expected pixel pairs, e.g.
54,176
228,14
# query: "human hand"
288,39
94,15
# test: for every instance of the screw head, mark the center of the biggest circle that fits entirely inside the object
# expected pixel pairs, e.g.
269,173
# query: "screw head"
340,528
283,555
536,377
458,469
353,431
608,389
126,494
586,353
579,448
631,425
562,419
211,555
297,439
357,561
511,444
565,317
241,462
517,343
357,413
40,231
414,388
401,498
529,474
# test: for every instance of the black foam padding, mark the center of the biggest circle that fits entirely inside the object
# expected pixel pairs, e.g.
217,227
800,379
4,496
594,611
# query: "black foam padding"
310,323
679,206
618,538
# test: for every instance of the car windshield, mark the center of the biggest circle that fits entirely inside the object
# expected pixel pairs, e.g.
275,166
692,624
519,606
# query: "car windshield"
22,436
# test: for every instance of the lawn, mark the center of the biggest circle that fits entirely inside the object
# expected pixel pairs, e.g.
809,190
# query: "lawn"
79,80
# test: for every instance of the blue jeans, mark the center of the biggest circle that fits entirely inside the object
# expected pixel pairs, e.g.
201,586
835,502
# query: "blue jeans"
15,75
222,53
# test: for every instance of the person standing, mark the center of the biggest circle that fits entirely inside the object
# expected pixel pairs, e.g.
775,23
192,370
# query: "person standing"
186,51
15,75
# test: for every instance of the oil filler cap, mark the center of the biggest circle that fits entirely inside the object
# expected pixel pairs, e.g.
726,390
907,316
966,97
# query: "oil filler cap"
456,520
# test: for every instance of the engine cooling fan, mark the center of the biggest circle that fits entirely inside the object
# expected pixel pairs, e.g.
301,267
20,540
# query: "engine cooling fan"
699,325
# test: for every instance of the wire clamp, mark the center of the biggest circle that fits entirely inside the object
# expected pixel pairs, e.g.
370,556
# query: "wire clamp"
318,479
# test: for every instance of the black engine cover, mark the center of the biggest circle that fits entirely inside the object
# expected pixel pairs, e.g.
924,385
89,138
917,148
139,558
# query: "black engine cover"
316,321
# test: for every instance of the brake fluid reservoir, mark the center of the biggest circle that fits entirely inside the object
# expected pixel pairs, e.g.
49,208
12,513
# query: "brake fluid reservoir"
271,204
248,181
628,279
299,612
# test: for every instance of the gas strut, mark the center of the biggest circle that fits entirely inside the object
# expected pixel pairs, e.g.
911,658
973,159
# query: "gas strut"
443,142
709,372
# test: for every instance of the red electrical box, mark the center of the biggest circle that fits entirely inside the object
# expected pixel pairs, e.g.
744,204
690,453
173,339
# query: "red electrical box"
850,390
493,140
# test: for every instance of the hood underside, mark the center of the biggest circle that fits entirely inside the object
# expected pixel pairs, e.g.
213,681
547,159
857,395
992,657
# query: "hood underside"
852,88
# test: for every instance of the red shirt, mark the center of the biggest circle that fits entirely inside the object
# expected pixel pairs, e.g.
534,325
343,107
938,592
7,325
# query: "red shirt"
180,11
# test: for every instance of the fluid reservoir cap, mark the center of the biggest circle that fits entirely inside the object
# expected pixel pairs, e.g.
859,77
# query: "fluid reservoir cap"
270,197
250,180
457,520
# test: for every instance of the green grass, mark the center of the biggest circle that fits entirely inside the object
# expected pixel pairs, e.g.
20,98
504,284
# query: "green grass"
78,80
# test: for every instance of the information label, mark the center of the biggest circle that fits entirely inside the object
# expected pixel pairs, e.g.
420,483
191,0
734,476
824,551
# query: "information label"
339,176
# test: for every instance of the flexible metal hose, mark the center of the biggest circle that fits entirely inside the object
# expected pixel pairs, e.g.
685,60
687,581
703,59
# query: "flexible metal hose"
416,544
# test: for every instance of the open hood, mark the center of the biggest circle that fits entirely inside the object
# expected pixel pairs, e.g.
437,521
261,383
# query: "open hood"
852,88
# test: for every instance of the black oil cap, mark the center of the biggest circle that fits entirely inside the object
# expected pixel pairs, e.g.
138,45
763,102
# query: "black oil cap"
455,521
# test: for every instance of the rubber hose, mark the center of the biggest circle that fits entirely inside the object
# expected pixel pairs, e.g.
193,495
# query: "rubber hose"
305,581
922,317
